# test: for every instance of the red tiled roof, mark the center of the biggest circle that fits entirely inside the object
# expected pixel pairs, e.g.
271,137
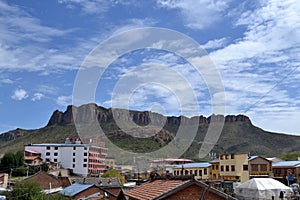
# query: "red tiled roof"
154,189
30,158
31,151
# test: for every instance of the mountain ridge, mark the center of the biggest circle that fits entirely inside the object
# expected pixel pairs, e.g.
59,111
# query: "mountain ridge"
238,134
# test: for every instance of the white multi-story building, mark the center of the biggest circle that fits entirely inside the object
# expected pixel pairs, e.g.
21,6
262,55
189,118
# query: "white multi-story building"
83,159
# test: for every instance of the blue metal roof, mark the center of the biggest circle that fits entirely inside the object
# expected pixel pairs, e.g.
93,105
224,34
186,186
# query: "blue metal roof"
286,163
74,189
194,165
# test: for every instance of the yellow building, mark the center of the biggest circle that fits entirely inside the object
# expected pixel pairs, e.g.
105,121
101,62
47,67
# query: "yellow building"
109,163
215,169
201,171
234,167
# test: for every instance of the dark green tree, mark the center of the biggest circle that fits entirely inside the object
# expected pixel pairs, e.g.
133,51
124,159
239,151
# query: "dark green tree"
8,160
25,190
45,167
19,158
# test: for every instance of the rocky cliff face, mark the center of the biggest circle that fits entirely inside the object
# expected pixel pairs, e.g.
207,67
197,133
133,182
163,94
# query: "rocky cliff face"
90,113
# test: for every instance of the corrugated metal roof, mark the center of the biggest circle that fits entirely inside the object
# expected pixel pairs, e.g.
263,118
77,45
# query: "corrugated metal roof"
58,145
74,189
252,157
194,165
287,163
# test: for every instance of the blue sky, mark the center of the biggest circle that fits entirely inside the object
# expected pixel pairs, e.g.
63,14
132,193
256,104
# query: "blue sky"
255,46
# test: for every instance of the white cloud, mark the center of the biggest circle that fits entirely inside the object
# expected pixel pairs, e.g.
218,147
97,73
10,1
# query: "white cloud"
37,96
215,44
259,70
19,94
88,6
6,81
64,100
23,39
197,14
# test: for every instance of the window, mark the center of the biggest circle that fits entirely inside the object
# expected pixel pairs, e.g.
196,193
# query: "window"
226,157
56,148
73,159
85,148
254,167
73,165
213,167
48,148
200,172
263,167
221,157
205,171
55,160
55,154
232,168
222,168
196,172
217,167
191,172
84,165
47,153
74,148
74,154
227,168
232,156
85,160
245,167
47,160
85,154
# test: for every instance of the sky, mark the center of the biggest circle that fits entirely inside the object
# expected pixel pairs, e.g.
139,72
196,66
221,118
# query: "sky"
254,47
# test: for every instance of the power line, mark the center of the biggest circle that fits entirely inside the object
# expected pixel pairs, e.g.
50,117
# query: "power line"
274,86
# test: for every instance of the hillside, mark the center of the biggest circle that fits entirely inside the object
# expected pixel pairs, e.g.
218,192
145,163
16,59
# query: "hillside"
238,135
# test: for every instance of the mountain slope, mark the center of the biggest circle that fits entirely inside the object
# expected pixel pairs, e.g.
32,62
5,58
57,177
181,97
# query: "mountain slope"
238,135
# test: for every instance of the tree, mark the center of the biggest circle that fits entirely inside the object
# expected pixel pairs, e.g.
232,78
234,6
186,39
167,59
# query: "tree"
8,160
113,173
290,156
45,167
26,190
19,158
11,160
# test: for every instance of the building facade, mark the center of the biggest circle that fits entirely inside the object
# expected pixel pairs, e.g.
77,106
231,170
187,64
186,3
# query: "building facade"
260,167
234,167
287,170
201,171
215,169
83,159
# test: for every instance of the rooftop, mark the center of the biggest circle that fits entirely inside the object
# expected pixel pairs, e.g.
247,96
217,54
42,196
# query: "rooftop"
161,189
194,165
74,189
101,182
287,164
154,189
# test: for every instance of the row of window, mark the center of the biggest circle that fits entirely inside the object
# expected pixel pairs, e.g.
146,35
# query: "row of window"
227,168
226,157
84,165
231,168
215,167
191,172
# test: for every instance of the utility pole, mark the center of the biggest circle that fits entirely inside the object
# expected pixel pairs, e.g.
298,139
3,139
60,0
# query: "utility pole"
10,174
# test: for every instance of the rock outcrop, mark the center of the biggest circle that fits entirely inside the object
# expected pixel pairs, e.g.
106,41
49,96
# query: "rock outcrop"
91,113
